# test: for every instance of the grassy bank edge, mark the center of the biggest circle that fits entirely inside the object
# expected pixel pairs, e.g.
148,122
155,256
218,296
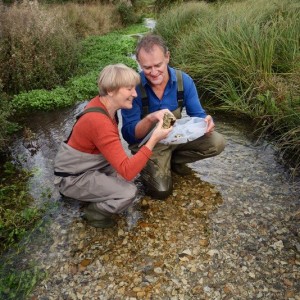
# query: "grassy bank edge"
244,58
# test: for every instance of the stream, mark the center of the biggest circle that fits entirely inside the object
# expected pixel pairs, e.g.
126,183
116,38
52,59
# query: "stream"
252,250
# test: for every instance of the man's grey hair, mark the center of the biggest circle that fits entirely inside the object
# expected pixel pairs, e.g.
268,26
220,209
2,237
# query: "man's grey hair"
148,41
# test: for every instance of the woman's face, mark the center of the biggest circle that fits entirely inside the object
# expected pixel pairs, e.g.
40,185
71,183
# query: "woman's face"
124,96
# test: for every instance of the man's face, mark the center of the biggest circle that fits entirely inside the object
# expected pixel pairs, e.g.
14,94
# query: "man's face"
155,65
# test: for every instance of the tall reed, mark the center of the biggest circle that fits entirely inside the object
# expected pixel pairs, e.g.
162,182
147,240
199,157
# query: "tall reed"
244,55
89,19
37,47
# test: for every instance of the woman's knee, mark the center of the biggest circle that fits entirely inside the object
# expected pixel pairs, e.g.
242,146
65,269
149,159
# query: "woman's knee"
130,192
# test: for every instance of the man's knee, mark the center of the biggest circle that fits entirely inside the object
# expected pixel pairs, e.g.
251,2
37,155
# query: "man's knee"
159,188
219,143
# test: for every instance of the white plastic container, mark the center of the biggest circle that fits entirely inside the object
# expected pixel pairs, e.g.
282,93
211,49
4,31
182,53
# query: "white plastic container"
185,130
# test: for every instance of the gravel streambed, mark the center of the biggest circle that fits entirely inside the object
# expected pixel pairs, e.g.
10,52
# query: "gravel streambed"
230,231
157,256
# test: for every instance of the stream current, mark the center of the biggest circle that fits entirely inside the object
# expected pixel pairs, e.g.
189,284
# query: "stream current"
253,250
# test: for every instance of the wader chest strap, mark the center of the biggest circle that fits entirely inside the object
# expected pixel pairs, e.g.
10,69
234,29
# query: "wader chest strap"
145,106
91,109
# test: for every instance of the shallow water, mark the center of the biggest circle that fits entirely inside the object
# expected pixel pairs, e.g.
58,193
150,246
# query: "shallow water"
258,219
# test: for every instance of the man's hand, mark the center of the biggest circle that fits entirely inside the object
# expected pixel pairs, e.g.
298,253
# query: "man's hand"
210,124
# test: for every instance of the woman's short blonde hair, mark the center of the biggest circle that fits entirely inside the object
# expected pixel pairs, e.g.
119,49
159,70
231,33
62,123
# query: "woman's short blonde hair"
113,77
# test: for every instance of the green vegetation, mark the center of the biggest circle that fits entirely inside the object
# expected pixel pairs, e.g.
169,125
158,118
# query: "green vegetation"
244,58
18,219
17,215
97,52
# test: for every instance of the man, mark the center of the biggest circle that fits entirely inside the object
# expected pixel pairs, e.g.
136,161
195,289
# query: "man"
159,83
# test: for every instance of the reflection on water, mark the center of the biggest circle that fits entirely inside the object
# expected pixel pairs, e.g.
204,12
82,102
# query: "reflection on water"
245,163
242,166
258,211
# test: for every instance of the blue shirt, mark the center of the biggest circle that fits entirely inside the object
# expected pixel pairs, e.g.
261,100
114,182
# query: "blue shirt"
191,102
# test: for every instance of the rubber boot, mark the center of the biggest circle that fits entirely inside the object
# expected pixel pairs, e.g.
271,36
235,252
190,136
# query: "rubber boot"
96,217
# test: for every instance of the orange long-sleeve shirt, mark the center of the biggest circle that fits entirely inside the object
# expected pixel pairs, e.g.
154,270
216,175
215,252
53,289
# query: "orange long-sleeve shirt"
96,133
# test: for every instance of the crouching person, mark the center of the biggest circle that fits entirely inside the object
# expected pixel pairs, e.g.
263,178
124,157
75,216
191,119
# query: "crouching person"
92,165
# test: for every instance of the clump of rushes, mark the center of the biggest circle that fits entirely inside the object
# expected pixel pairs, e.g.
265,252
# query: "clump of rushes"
38,49
244,58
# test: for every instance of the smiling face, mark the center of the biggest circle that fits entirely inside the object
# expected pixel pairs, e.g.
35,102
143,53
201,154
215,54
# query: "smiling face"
123,97
154,63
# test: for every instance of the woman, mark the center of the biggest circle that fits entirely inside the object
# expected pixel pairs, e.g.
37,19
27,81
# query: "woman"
92,164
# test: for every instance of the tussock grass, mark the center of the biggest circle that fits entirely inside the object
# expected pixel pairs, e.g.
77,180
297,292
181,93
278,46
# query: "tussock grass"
175,25
37,48
246,57
89,19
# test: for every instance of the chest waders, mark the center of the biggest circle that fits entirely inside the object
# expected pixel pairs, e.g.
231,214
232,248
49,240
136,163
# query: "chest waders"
156,175
88,110
90,178
145,105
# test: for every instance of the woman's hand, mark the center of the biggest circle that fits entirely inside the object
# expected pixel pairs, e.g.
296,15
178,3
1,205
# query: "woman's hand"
145,125
158,115
158,134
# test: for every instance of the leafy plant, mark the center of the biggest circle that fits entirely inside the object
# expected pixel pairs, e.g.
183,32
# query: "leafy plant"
16,214
97,52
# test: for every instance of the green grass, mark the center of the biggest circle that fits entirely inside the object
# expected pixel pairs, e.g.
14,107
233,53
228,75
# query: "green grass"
245,58
97,52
